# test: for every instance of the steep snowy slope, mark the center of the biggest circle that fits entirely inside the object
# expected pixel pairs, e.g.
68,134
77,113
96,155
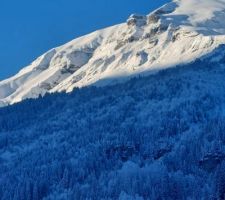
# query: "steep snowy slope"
179,32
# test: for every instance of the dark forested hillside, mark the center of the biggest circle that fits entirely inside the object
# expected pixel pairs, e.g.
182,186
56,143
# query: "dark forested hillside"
156,137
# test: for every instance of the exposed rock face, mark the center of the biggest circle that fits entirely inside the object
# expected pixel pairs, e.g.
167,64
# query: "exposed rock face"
153,18
71,68
143,57
120,44
137,20
158,29
153,42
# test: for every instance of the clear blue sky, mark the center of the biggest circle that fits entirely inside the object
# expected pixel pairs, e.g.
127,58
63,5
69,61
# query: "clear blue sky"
31,27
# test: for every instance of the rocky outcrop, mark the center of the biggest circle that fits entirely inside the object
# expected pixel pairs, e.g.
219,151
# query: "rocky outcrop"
143,57
153,18
137,20
157,30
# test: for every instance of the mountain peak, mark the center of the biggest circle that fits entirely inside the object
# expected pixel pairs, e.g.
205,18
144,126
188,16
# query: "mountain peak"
199,11
204,16
178,32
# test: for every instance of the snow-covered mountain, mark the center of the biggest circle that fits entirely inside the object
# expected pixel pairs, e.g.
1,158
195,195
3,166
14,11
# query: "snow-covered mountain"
178,32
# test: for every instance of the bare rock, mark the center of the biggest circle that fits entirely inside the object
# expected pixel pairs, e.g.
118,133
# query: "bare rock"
153,18
137,20
120,44
143,57
78,77
159,29
153,42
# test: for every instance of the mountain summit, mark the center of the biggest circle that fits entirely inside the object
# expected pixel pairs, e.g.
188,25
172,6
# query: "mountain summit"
178,32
